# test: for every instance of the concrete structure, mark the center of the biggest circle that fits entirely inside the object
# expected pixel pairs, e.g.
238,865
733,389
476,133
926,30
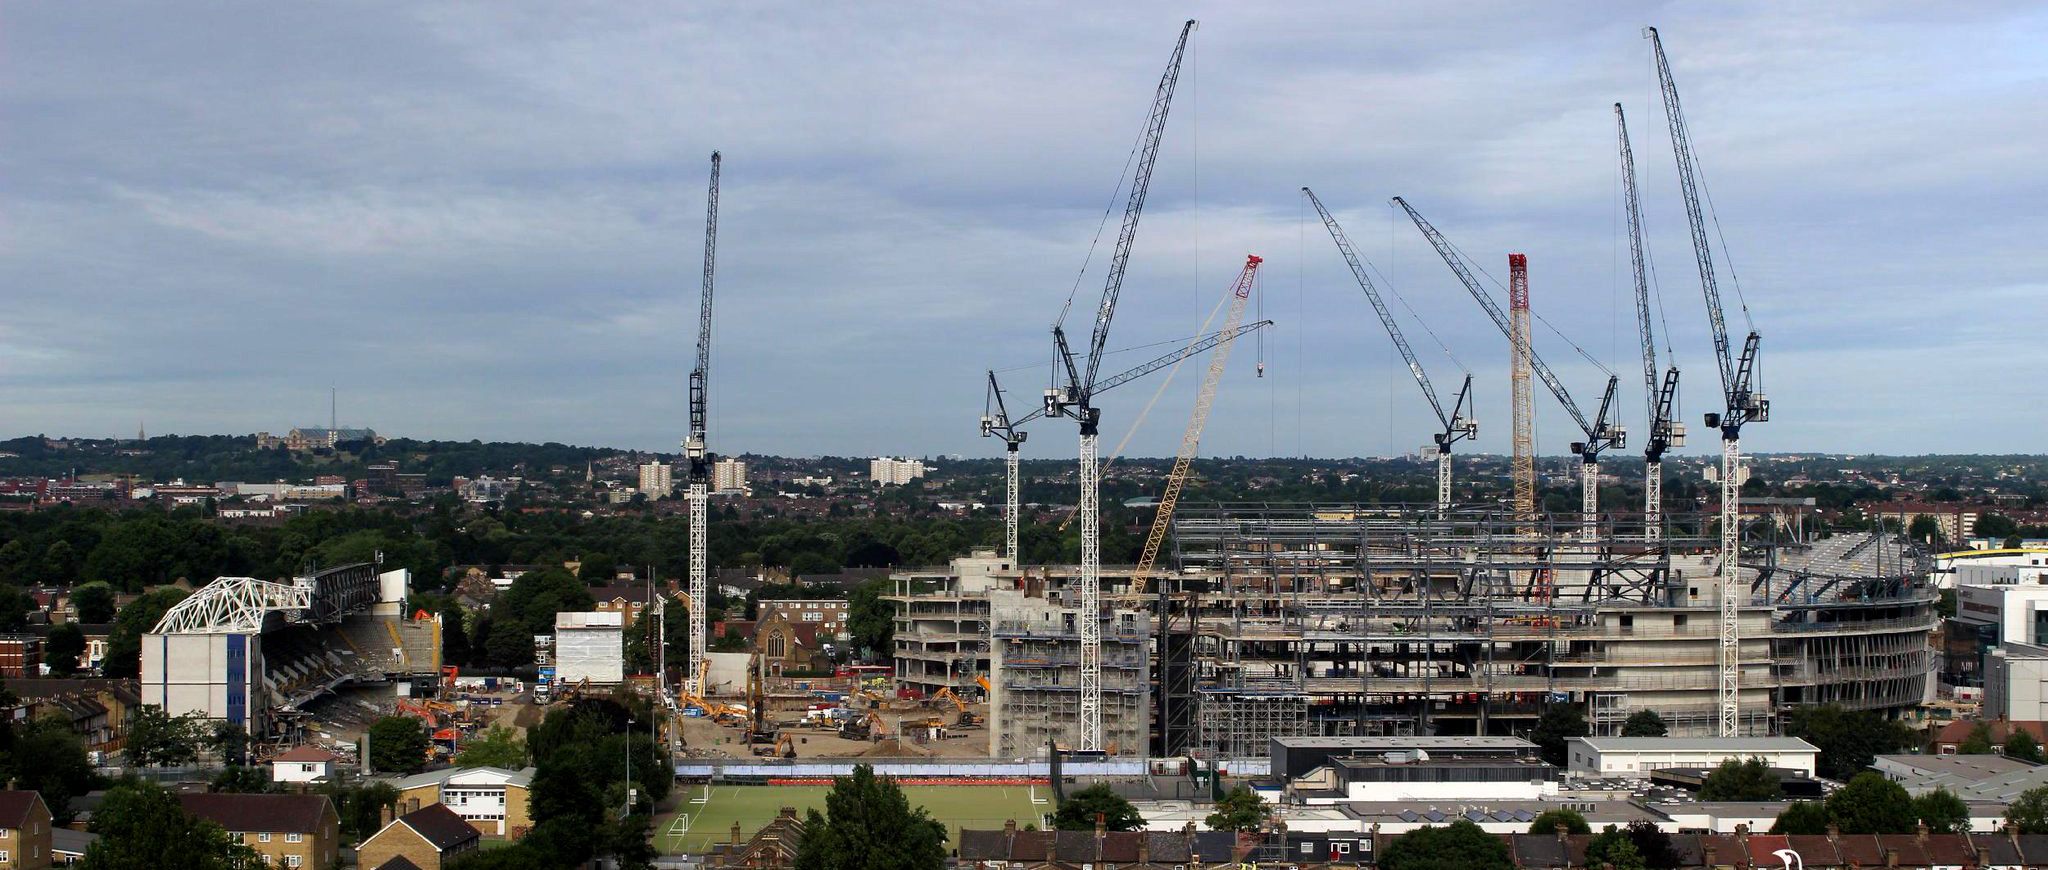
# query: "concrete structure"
1034,660
942,621
303,764
590,646
430,837
1289,620
286,830
1295,757
24,831
1921,774
2016,683
657,480
493,800
1635,757
894,472
729,475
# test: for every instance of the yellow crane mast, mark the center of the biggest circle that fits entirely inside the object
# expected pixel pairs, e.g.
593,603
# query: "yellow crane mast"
1191,442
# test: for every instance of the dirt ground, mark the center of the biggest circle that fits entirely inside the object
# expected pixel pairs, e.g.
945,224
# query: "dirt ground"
703,738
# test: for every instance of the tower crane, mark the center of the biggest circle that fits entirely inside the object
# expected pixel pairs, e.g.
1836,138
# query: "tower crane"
1191,441
1076,399
699,497
1457,424
1665,433
1743,402
996,421
1600,432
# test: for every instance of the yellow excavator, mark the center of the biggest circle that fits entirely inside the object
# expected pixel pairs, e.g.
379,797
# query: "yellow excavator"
960,706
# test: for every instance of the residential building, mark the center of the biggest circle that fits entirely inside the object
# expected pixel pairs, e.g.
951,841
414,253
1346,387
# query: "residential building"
774,845
68,847
1635,757
1955,520
429,836
316,438
590,646
303,764
729,475
21,656
1057,850
627,599
493,800
24,831
894,472
657,480
98,709
287,830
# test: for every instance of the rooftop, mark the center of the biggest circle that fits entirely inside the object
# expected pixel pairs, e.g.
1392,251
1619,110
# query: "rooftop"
1697,744
262,813
1390,744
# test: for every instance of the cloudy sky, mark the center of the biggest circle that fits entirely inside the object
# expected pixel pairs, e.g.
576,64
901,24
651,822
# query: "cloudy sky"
485,220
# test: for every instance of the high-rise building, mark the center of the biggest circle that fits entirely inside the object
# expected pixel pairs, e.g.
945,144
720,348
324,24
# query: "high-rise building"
657,480
729,475
895,472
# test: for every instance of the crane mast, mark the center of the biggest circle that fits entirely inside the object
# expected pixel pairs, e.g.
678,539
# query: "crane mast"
1076,399
995,422
1523,407
699,498
1457,425
1600,433
1191,441
1665,433
1741,402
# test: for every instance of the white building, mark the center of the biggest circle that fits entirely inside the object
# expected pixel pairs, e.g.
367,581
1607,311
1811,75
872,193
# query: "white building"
303,764
1637,756
895,472
590,646
2019,611
729,475
657,479
2016,683
483,796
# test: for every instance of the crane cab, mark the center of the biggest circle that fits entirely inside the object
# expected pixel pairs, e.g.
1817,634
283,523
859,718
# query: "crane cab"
1677,438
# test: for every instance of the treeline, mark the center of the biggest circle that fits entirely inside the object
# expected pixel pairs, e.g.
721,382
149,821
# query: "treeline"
211,458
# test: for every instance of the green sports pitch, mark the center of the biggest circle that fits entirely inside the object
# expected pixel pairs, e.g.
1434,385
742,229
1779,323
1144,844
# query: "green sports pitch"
752,806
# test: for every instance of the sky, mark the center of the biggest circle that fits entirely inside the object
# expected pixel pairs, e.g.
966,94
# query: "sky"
485,220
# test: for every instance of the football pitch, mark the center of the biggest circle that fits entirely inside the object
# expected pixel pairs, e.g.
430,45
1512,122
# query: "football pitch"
752,806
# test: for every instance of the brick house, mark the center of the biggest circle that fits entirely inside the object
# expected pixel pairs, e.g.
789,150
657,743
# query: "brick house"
24,830
772,846
287,830
429,837
793,635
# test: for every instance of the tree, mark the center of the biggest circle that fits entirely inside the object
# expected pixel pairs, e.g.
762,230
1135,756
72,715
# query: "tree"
870,618
1614,848
1548,820
140,826
1558,723
1924,528
1459,845
15,606
48,757
2021,745
1848,740
242,779
361,809
62,649
1653,845
2029,811
509,644
536,596
1942,811
1802,817
1997,526
1871,804
124,640
398,744
1748,780
497,747
1241,811
1078,811
157,739
869,825
94,602
1644,723
1978,742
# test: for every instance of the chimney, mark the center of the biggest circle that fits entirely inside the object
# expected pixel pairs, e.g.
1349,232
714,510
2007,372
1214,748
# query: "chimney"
735,833
1144,847
384,814
412,805
1891,857
1010,827
1920,829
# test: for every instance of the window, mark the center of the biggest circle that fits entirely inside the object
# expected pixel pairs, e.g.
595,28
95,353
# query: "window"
1308,848
813,616
1342,848
3,855
295,838
293,860
263,837
306,768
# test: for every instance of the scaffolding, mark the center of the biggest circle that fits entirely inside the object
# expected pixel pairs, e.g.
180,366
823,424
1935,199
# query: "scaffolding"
1241,723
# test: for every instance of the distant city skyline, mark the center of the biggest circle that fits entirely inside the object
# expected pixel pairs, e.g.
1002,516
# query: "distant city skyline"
484,222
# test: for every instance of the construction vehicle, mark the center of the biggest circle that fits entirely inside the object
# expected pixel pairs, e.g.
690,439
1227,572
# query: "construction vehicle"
966,716
1457,424
865,727
1075,398
1744,400
694,448
1191,440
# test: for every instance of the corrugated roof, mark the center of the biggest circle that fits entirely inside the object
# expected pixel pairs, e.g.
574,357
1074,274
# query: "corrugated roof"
1698,744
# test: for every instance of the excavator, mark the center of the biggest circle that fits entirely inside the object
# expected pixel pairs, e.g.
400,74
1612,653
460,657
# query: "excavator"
960,706
868,726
